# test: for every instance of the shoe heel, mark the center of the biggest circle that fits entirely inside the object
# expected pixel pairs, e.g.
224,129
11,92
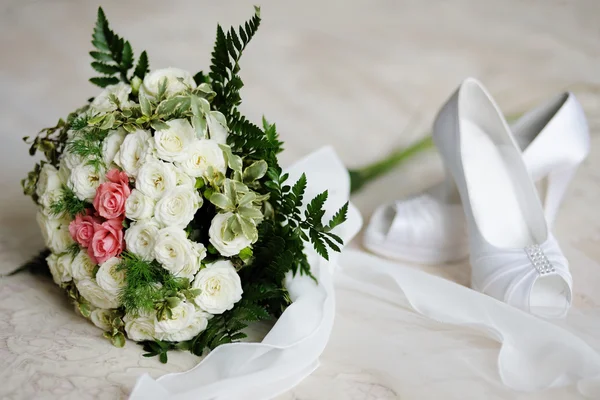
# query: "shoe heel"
557,183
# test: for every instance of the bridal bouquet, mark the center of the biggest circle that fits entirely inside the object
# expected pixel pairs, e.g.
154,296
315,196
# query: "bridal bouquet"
167,217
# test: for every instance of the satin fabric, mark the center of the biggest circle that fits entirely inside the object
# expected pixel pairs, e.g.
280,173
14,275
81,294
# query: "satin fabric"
535,354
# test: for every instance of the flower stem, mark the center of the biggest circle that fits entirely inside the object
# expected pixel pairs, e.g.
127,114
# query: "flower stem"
361,176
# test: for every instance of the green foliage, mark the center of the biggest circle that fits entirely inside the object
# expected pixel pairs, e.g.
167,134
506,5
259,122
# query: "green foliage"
29,183
113,55
143,66
51,142
87,144
227,327
225,63
69,204
146,284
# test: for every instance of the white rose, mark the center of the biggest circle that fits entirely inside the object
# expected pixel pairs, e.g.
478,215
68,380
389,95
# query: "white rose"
155,178
140,239
64,171
139,328
217,127
185,323
178,206
82,266
138,206
220,287
183,179
171,144
48,181
103,103
197,324
84,181
97,296
111,145
153,80
60,267
55,232
71,160
201,155
225,247
110,278
102,318
133,151
192,265
173,249
49,186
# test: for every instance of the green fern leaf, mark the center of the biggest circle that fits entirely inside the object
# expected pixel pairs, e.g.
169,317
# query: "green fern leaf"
319,245
126,57
338,218
143,66
314,211
104,68
97,55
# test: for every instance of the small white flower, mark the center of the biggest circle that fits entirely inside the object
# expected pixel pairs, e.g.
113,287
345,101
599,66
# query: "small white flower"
133,151
140,239
55,232
71,160
110,278
183,179
185,323
82,266
60,267
139,328
48,181
111,145
101,318
94,294
84,181
63,170
103,103
153,80
220,287
192,265
177,206
217,127
201,155
173,249
171,144
138,206
155,178
49,186
227,248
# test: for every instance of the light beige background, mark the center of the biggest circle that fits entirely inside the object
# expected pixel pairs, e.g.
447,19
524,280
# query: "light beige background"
364,76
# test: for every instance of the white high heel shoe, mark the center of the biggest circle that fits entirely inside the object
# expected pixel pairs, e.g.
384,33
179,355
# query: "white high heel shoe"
514,257
429,228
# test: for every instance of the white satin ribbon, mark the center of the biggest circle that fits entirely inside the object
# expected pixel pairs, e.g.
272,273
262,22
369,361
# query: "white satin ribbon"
535,354
291,350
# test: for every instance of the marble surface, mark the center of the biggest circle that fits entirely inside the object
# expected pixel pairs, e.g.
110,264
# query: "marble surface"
364,76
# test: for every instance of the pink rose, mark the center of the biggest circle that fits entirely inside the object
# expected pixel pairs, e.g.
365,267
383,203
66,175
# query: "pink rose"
107,241
111,196
82,229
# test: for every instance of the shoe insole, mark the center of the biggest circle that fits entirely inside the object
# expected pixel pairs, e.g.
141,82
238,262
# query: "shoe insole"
494,202
497,211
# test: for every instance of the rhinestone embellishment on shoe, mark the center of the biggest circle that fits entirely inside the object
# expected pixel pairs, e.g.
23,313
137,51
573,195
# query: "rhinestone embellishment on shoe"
539,260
